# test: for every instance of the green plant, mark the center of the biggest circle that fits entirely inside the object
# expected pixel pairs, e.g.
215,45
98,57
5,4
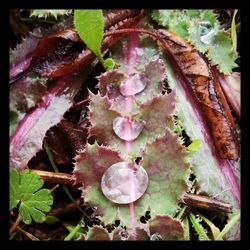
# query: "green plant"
90,27
27,195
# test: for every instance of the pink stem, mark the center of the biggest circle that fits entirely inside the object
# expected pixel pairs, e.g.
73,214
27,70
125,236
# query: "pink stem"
131,60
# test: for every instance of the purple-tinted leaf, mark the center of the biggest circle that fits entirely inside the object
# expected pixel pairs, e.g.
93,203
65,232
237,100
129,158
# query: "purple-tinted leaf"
24,95
109,83
21,56
102,117
28,137
166,228
164,162
121,234
97,233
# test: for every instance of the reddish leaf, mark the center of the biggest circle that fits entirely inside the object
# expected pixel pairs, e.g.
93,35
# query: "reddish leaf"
166,227
64,140
28,137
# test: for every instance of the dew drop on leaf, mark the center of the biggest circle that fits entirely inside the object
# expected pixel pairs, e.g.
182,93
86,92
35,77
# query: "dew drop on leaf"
123,235
124,183
127,129
133,84
206,32
156,237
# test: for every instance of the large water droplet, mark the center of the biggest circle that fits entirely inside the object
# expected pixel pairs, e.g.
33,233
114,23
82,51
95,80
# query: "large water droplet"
127,128
133,84
124,183
156,237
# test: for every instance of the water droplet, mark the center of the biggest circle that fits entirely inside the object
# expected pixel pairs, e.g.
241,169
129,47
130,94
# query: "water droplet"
198,218
124,183
156,237
133,84
127,129
123,235
139,51
206,32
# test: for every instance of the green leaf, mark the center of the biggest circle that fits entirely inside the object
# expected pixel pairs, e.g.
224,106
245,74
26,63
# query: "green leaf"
90,27
203,30
47,13
221,53
26,190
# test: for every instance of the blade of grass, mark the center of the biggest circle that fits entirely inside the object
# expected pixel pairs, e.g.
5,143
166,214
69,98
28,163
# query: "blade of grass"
186,229
72,234
229,225
198,227
215,230
233,32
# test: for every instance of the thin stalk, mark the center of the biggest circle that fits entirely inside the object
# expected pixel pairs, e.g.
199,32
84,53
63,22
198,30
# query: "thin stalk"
65,188
15,224
73,232
27,234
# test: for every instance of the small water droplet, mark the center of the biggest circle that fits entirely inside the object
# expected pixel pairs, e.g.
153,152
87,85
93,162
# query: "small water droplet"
156,237
127,129
139,51
206,32
124,183
198,218
133,84
123,235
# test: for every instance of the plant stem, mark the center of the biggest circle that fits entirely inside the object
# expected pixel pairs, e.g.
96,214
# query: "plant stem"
15,224
27,234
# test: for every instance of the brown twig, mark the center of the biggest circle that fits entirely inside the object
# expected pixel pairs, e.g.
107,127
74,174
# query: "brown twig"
81,102
27,234
15,224
55,178
205,202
